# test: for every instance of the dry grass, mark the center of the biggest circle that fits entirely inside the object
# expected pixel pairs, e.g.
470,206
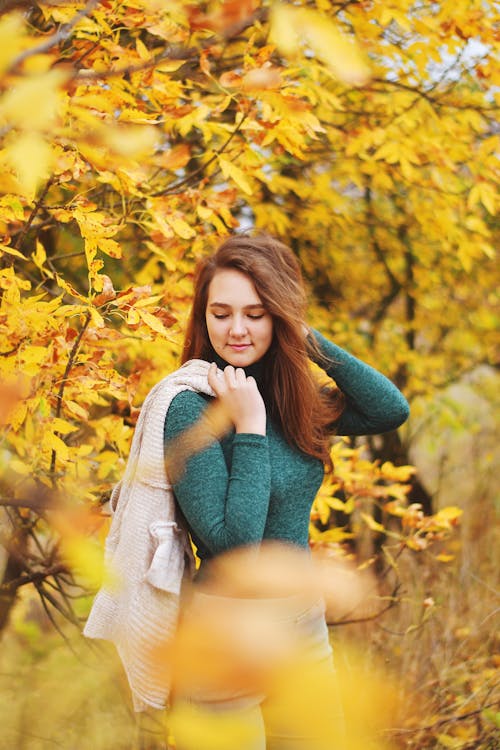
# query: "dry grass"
441,644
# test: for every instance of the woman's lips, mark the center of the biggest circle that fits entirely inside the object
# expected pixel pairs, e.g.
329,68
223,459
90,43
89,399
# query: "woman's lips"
239,347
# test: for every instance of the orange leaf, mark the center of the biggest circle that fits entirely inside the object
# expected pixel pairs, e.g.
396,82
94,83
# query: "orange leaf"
261,78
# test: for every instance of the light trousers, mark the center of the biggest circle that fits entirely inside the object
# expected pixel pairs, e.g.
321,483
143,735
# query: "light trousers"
295,706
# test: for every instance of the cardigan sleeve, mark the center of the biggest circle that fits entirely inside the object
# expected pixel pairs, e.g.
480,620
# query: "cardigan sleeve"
373,403
225,503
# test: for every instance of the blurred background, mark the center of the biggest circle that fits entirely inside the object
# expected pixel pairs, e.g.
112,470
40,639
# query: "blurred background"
134,135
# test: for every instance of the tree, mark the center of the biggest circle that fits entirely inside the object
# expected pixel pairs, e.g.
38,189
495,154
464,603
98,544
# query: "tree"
135,134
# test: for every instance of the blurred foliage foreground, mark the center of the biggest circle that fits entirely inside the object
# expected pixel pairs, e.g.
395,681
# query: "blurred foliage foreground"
422,675
134,134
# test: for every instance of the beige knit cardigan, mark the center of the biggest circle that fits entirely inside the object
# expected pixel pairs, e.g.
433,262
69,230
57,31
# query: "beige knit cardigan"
146,550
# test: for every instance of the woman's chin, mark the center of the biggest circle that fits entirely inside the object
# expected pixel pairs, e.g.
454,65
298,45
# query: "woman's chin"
243,358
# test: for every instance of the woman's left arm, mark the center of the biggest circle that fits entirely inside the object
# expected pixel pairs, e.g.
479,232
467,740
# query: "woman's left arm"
373,403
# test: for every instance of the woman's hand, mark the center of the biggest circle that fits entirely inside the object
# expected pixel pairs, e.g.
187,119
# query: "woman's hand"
240,397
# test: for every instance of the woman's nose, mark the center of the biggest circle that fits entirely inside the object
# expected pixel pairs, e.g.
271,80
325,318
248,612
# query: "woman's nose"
238,327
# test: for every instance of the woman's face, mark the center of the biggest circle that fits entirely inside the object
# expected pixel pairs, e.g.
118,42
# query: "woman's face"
239,327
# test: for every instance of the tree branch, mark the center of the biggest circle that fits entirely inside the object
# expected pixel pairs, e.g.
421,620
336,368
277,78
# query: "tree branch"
60,36
395,284
435,102
188,178
36,503
22,234
35,577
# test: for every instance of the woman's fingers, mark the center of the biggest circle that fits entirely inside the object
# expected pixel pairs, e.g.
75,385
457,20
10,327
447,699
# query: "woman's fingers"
240,377
230,376
214,379
240,397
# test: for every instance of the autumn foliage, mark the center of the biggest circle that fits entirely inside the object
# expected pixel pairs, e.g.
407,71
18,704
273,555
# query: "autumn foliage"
135,134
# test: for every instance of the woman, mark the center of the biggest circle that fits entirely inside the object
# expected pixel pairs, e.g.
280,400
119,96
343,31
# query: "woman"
258,481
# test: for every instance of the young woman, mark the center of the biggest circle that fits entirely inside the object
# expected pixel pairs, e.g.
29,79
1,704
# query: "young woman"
257,482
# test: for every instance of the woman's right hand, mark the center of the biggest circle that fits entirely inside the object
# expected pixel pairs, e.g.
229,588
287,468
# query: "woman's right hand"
240,397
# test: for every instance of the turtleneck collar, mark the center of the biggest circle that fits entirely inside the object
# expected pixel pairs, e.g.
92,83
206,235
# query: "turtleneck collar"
255,370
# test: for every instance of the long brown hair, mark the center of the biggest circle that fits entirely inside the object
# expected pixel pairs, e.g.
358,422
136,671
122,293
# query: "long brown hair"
292,395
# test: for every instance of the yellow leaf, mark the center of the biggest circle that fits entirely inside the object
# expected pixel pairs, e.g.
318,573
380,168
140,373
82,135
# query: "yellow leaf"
31,104
261,78
97,319
283,32
20,467
204,213
17,416
169,66
110,247
94,268
39,256
133,317
474,197
442,557
446,740
154,323
180,227
31,157
346,507
11,251
372,523
448,515
396,473
235,173
488,197
147,301
475,224
62,426
84,556
33,357
69,288
323,509
76,410
11,39
142,50
54,443
332,536
108,461
131,141
337,51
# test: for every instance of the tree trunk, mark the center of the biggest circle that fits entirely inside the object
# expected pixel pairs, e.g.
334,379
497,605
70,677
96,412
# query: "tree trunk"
14,567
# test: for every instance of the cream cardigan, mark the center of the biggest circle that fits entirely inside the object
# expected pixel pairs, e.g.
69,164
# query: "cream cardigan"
146,550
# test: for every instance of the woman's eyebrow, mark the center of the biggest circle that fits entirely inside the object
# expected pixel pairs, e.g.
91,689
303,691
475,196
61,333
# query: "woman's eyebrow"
259,306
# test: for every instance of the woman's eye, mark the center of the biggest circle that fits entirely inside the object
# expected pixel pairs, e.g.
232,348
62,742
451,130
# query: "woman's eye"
256,317
220,316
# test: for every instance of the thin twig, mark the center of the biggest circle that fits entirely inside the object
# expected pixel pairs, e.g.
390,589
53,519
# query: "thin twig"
67,613
91,75
393,601
42,595
32,216
441,722
61,35
62,386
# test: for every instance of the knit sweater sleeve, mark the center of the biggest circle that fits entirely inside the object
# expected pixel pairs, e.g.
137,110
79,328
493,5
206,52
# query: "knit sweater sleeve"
373,403
224,502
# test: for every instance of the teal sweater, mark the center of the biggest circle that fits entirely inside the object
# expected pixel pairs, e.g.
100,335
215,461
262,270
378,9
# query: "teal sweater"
247,487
